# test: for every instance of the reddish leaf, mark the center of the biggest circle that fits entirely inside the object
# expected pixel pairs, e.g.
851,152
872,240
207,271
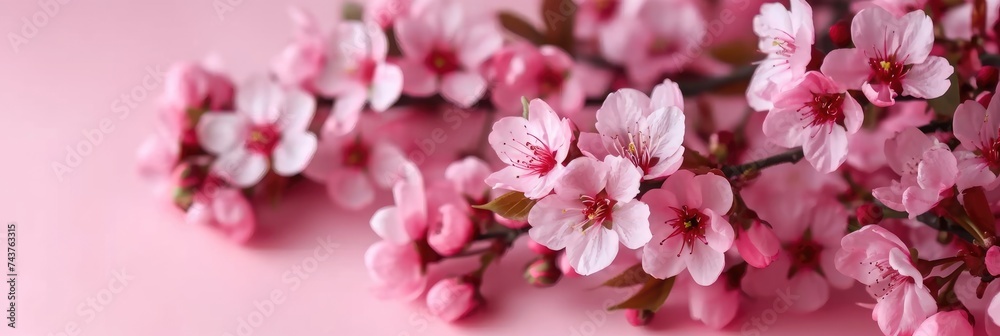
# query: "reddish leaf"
652,295
559,17
978,209
632,276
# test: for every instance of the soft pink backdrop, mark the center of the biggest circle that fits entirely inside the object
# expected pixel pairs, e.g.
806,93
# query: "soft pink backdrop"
76,231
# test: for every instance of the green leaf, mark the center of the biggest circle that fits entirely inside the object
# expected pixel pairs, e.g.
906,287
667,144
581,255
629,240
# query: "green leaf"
978,209
512,205
520,27
947,103
352,11
652,295
559,17
632,276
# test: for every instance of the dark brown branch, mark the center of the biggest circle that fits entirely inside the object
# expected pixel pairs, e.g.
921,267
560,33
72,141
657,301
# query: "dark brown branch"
791,156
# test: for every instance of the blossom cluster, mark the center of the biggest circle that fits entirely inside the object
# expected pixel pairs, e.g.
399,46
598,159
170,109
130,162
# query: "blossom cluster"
862,146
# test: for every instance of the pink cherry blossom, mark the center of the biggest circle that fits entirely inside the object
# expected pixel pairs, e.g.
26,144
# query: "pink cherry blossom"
386,12
452,299
521,70
450,228
300,63
268,130
758,245
956,22
877,258
662,38
224,210
810,232
444,48
866,148
592,210
978,129
896,7
157,156
190,89
786,37
818,115
356,72
533,148
353,166
689,231
714,305
949,323
993,260
926,168
396,270
593,16
647,131
891,58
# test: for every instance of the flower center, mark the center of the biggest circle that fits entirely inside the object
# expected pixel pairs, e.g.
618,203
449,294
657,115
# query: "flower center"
597,210
886,70
690,224
263,138
786,46
355,154
442,61
363,70
805,254
991,153
550,81
888,278
662,46
605,9
540,158
636,148
825,109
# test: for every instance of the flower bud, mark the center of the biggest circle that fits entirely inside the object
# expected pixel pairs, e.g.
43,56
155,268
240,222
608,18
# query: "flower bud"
566,267
993,260
638,317
454,232
869,214
510,223
758,245
453,298
987,77
984,98
542,272
840,33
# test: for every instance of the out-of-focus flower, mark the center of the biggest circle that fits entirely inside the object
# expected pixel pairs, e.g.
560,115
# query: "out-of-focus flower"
386,12
467,177
949,323
453,230
659,40
786,36
689,231
926,168
593,209
810,231
521,70
189,90
352,166
878,259
638,317
978,129
818,115
714,305
891,58
534,148
443,49
356,72
395,270
225,210
543,272
301,62
453,298
646,131
268,129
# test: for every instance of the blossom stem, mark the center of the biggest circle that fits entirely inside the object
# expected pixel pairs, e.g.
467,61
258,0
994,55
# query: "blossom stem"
791,156
950,281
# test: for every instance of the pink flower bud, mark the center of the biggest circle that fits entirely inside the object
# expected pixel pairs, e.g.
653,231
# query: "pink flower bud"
193,86
542,272
987,77
566,267
510,223
984,98
638,317
227,211
869,214
840,33
539,248
758,245
993,260
453,298
454,232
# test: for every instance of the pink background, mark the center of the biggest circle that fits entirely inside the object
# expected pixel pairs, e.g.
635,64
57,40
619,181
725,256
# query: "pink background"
76,230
